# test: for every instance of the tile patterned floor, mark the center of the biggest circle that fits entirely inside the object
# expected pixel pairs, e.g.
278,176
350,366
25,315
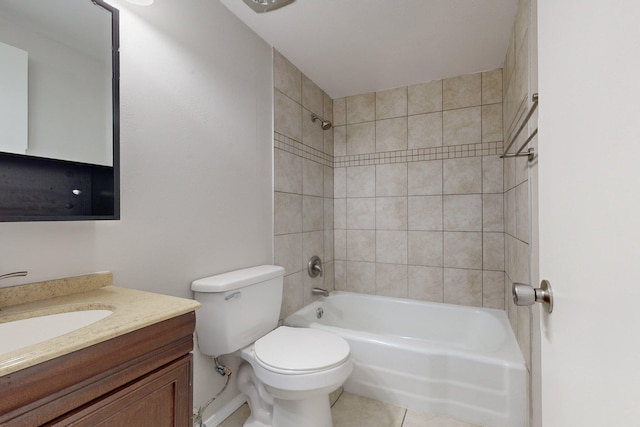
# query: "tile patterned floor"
350,410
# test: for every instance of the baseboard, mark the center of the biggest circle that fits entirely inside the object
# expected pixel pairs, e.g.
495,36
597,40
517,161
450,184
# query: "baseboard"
221,414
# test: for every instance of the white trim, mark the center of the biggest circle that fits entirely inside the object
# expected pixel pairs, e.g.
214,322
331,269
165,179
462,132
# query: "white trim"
224,412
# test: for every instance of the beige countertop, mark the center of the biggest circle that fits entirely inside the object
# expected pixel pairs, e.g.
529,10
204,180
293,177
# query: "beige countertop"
132,310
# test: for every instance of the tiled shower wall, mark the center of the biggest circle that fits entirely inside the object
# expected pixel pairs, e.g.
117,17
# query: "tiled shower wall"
419,191
303,183
516,181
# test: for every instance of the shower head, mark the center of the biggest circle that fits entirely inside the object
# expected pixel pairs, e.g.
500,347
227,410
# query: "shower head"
261,6
326,124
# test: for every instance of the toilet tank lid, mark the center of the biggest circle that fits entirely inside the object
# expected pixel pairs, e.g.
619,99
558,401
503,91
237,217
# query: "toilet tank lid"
237,279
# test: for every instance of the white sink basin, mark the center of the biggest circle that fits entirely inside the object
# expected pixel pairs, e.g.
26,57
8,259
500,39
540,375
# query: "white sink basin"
25,332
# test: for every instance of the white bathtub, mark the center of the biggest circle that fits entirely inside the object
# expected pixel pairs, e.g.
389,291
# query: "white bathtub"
435,358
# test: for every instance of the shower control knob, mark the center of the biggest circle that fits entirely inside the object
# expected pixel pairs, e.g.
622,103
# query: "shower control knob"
524,294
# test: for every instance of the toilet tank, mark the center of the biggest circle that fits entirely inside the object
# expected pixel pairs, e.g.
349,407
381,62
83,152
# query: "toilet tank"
237,307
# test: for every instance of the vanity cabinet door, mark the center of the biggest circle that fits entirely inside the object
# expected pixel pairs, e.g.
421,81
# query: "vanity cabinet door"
158,399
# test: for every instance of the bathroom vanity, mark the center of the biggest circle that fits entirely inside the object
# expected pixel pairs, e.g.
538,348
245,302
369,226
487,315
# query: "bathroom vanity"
134,367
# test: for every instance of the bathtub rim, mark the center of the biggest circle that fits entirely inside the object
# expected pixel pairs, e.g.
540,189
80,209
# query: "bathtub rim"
509,353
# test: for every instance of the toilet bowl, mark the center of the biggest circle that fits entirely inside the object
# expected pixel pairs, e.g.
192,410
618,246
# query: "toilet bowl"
287,373
294,370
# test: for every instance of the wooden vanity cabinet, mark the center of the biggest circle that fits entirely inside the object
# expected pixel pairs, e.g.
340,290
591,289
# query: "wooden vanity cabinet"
141,379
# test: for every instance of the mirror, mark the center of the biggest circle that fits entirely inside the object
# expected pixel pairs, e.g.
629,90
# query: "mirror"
59,124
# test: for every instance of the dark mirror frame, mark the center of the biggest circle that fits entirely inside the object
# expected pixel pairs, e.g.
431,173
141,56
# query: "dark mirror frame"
40,189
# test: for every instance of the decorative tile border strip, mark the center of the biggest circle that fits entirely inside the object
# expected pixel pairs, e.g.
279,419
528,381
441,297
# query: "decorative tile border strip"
435,153
292,146
421,154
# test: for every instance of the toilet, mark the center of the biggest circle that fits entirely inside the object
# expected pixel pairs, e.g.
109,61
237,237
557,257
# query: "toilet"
287,373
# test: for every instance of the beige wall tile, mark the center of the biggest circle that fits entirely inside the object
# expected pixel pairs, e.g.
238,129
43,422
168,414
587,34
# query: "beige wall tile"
312,178
462,91
493,251
340,111
425,97
424,178
425,248
361,181
287,116
425,130
509,63
312,244
312,96
287,172
391,103
312,213
462,212
312,133
510,212
391,213
463,250
339,182
492,174
340,213
463,287
286,77
340,272
391,179
391,247
391,134
287,213
492,122
361,138
361,245
426,283
425,213
492,86
391,280
509,177
292,299
328,213
462,176
288,252
522,212
462,126
361,108
361,277
328,141
328,181
492,212
327,107
328,277
361,213
340,141
340,244
493,289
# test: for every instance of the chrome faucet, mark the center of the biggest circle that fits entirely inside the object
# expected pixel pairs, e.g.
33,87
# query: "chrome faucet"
320,291
14,274
314,267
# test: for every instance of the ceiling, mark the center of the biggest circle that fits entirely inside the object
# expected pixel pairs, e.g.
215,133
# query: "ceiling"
349,47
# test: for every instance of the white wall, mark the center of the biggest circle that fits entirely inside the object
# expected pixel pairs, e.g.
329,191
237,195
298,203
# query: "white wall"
196,158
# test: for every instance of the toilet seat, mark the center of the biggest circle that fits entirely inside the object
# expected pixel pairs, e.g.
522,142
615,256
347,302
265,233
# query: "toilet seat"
288,350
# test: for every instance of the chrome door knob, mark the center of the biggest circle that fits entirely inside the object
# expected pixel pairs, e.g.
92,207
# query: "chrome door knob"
524,294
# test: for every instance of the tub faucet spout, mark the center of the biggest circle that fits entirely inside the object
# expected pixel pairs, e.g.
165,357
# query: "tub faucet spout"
320,291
